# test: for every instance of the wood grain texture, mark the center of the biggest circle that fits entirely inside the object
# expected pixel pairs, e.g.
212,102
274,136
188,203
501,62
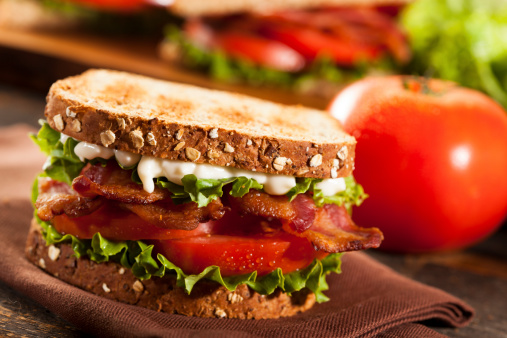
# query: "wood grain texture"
21,317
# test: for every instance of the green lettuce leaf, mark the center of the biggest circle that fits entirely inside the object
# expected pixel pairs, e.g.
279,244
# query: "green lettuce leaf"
302,186
62,163
139,257
242,186
203,191
353,195
46,138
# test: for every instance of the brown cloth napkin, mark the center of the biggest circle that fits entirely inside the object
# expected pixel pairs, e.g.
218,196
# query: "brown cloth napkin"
368,299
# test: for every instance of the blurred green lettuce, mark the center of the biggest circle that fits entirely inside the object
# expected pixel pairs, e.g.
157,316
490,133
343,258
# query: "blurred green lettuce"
461,40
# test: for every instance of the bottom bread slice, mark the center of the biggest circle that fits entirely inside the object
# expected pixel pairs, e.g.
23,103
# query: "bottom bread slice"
208,299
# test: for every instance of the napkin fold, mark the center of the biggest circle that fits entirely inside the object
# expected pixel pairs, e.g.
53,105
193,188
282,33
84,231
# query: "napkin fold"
368,299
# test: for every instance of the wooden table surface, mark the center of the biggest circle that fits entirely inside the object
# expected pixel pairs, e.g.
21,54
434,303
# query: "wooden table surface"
477,275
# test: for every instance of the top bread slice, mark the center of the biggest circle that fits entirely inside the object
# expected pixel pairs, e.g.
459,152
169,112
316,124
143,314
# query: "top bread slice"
182,122
195,8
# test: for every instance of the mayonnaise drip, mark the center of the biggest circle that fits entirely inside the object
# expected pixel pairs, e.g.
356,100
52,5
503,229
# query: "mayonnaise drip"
85,150
126,159
331,186
89,151
150,167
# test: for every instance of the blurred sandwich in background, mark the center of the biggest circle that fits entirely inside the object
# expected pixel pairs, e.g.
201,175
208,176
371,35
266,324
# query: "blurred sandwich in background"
308,47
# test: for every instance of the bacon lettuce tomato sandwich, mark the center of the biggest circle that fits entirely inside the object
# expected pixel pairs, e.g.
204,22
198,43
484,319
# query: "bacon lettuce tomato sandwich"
192,201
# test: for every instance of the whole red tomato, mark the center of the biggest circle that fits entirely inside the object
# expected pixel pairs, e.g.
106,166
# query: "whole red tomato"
433,158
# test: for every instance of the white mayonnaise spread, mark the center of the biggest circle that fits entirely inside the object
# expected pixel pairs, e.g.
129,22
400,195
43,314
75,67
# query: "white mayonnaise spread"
150,167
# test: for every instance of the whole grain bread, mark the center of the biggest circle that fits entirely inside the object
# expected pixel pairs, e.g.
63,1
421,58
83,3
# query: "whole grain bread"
182,122
112,281
194,8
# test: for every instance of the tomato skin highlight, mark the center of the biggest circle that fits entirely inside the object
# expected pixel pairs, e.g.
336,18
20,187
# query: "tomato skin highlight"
433,164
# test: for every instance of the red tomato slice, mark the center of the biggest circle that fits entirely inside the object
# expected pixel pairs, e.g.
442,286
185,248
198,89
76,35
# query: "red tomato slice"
312,42
366,31
237,255
260,50
237,43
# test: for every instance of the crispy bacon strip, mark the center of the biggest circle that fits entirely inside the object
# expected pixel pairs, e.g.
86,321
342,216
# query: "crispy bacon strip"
334,231
261,204
100,184
305,210
329,228
114,183
56,198
166,214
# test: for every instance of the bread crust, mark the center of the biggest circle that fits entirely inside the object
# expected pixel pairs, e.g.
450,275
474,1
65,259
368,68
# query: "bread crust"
195,8
112,281
177,122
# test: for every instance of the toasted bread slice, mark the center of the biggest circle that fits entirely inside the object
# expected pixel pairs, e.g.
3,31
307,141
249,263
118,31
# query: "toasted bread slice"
181,122
112,281
193,8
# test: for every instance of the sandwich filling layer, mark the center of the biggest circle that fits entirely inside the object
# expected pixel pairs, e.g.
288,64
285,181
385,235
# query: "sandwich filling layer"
150,168
231,226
